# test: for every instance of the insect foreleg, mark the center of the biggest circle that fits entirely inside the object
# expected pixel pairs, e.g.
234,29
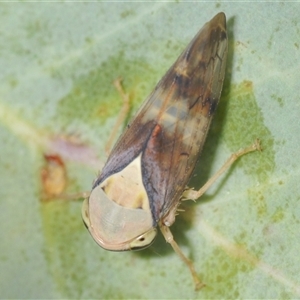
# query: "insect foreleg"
169,238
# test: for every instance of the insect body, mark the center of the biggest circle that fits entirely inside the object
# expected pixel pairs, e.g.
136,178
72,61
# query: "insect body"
142,182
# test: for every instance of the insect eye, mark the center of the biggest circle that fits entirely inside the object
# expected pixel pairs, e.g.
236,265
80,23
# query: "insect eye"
143,240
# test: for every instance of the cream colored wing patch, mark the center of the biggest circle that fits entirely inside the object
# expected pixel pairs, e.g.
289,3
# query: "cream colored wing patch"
117,212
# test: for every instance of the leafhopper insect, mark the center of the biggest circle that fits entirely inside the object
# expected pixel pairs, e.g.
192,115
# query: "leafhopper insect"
145,176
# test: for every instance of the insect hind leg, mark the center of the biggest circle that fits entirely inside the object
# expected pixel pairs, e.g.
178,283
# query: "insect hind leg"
122,114
191,194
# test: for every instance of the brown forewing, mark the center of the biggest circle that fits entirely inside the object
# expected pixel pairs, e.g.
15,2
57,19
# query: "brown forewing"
170,128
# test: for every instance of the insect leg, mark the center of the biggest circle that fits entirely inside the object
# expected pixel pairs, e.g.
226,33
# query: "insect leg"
194,195
169,238
67,197
121,117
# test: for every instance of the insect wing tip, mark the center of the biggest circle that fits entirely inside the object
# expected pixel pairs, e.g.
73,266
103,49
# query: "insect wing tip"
219,18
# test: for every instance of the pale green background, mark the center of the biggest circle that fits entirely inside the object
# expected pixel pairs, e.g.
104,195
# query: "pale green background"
57,64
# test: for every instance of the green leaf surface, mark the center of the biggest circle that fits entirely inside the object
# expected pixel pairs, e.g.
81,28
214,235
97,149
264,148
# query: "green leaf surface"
57,65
